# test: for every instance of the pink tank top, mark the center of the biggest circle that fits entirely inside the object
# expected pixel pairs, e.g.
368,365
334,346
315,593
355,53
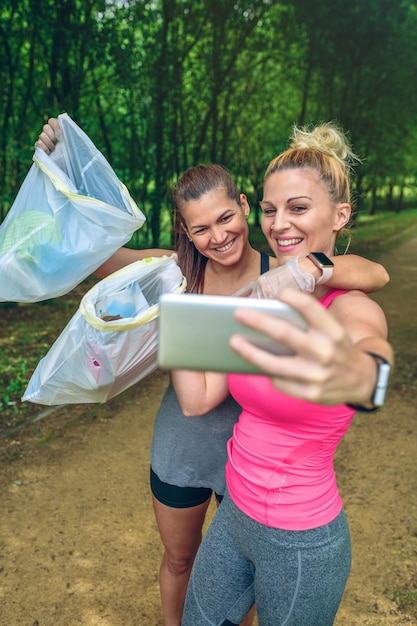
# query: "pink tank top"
280,457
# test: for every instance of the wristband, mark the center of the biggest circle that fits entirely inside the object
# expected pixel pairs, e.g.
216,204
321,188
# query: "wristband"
378,396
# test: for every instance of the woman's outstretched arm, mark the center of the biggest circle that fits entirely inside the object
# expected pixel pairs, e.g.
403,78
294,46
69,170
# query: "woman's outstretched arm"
125,256
351,272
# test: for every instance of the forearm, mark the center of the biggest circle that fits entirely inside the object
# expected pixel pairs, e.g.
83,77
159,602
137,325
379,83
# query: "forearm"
125,256
199,392
351,272
378,346
368,388
355,272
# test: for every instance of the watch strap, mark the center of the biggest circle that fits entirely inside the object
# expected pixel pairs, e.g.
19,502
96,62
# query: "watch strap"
378,396
324,264
327,273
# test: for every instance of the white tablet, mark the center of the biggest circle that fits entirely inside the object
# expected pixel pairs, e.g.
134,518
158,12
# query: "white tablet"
194,331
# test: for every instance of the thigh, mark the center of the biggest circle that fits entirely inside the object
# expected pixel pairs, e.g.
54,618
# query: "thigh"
180,526
180,529
222,580
300,577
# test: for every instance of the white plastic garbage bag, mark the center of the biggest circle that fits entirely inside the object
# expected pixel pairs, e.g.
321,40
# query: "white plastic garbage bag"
111,341
70,215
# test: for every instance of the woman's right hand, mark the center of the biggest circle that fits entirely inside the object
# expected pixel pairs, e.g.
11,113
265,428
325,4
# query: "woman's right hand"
271,283
49,136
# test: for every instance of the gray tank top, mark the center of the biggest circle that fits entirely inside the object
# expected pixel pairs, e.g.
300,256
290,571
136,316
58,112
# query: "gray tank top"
191,451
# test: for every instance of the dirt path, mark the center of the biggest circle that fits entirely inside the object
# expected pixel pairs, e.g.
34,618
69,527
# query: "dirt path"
78,543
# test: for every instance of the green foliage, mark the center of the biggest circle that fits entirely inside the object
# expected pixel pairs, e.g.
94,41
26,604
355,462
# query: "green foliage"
161,86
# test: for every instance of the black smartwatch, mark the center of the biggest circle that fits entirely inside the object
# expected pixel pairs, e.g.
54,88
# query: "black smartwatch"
324,263
378,397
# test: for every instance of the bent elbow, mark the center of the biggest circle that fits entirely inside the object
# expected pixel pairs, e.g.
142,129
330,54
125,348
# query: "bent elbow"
188,405
190,411
194,409
383,277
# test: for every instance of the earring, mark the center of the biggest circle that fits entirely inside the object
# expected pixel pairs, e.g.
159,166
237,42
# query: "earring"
189,239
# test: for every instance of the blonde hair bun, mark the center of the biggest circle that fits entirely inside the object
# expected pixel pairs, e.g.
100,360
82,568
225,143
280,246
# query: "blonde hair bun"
327,138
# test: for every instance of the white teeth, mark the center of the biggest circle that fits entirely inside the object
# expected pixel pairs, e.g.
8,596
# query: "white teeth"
288,242
226,247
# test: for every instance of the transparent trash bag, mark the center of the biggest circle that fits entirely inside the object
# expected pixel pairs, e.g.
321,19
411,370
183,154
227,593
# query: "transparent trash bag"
111,341
69,216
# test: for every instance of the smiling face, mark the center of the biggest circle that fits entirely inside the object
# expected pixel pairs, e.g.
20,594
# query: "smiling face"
217,226
298,215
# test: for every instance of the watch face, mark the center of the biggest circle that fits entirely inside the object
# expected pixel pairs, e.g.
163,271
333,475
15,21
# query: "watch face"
322,259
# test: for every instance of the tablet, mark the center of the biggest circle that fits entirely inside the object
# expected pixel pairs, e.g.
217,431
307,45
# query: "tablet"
194,331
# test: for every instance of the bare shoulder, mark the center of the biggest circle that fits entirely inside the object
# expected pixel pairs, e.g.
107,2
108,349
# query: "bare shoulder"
356,307
354,299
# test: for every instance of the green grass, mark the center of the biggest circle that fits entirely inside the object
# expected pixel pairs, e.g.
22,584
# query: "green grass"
26,333
406,601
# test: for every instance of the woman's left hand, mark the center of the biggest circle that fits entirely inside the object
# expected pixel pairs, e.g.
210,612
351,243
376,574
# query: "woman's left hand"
330,364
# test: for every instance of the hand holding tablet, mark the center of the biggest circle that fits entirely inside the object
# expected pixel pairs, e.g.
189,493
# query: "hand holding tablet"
195,330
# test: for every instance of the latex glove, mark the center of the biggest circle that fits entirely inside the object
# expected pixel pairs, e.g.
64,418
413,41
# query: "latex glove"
270,284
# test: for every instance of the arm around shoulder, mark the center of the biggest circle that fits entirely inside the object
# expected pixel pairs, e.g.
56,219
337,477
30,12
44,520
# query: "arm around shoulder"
350,271
355,272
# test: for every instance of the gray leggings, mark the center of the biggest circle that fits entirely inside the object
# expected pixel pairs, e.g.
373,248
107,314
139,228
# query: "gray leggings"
296,578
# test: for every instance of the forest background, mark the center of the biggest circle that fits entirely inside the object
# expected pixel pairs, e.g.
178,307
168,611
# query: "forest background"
161,85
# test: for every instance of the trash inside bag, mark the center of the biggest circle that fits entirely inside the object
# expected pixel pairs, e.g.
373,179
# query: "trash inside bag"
111,342
69,216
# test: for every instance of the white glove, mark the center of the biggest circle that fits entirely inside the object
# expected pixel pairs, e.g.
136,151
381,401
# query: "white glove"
270,284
